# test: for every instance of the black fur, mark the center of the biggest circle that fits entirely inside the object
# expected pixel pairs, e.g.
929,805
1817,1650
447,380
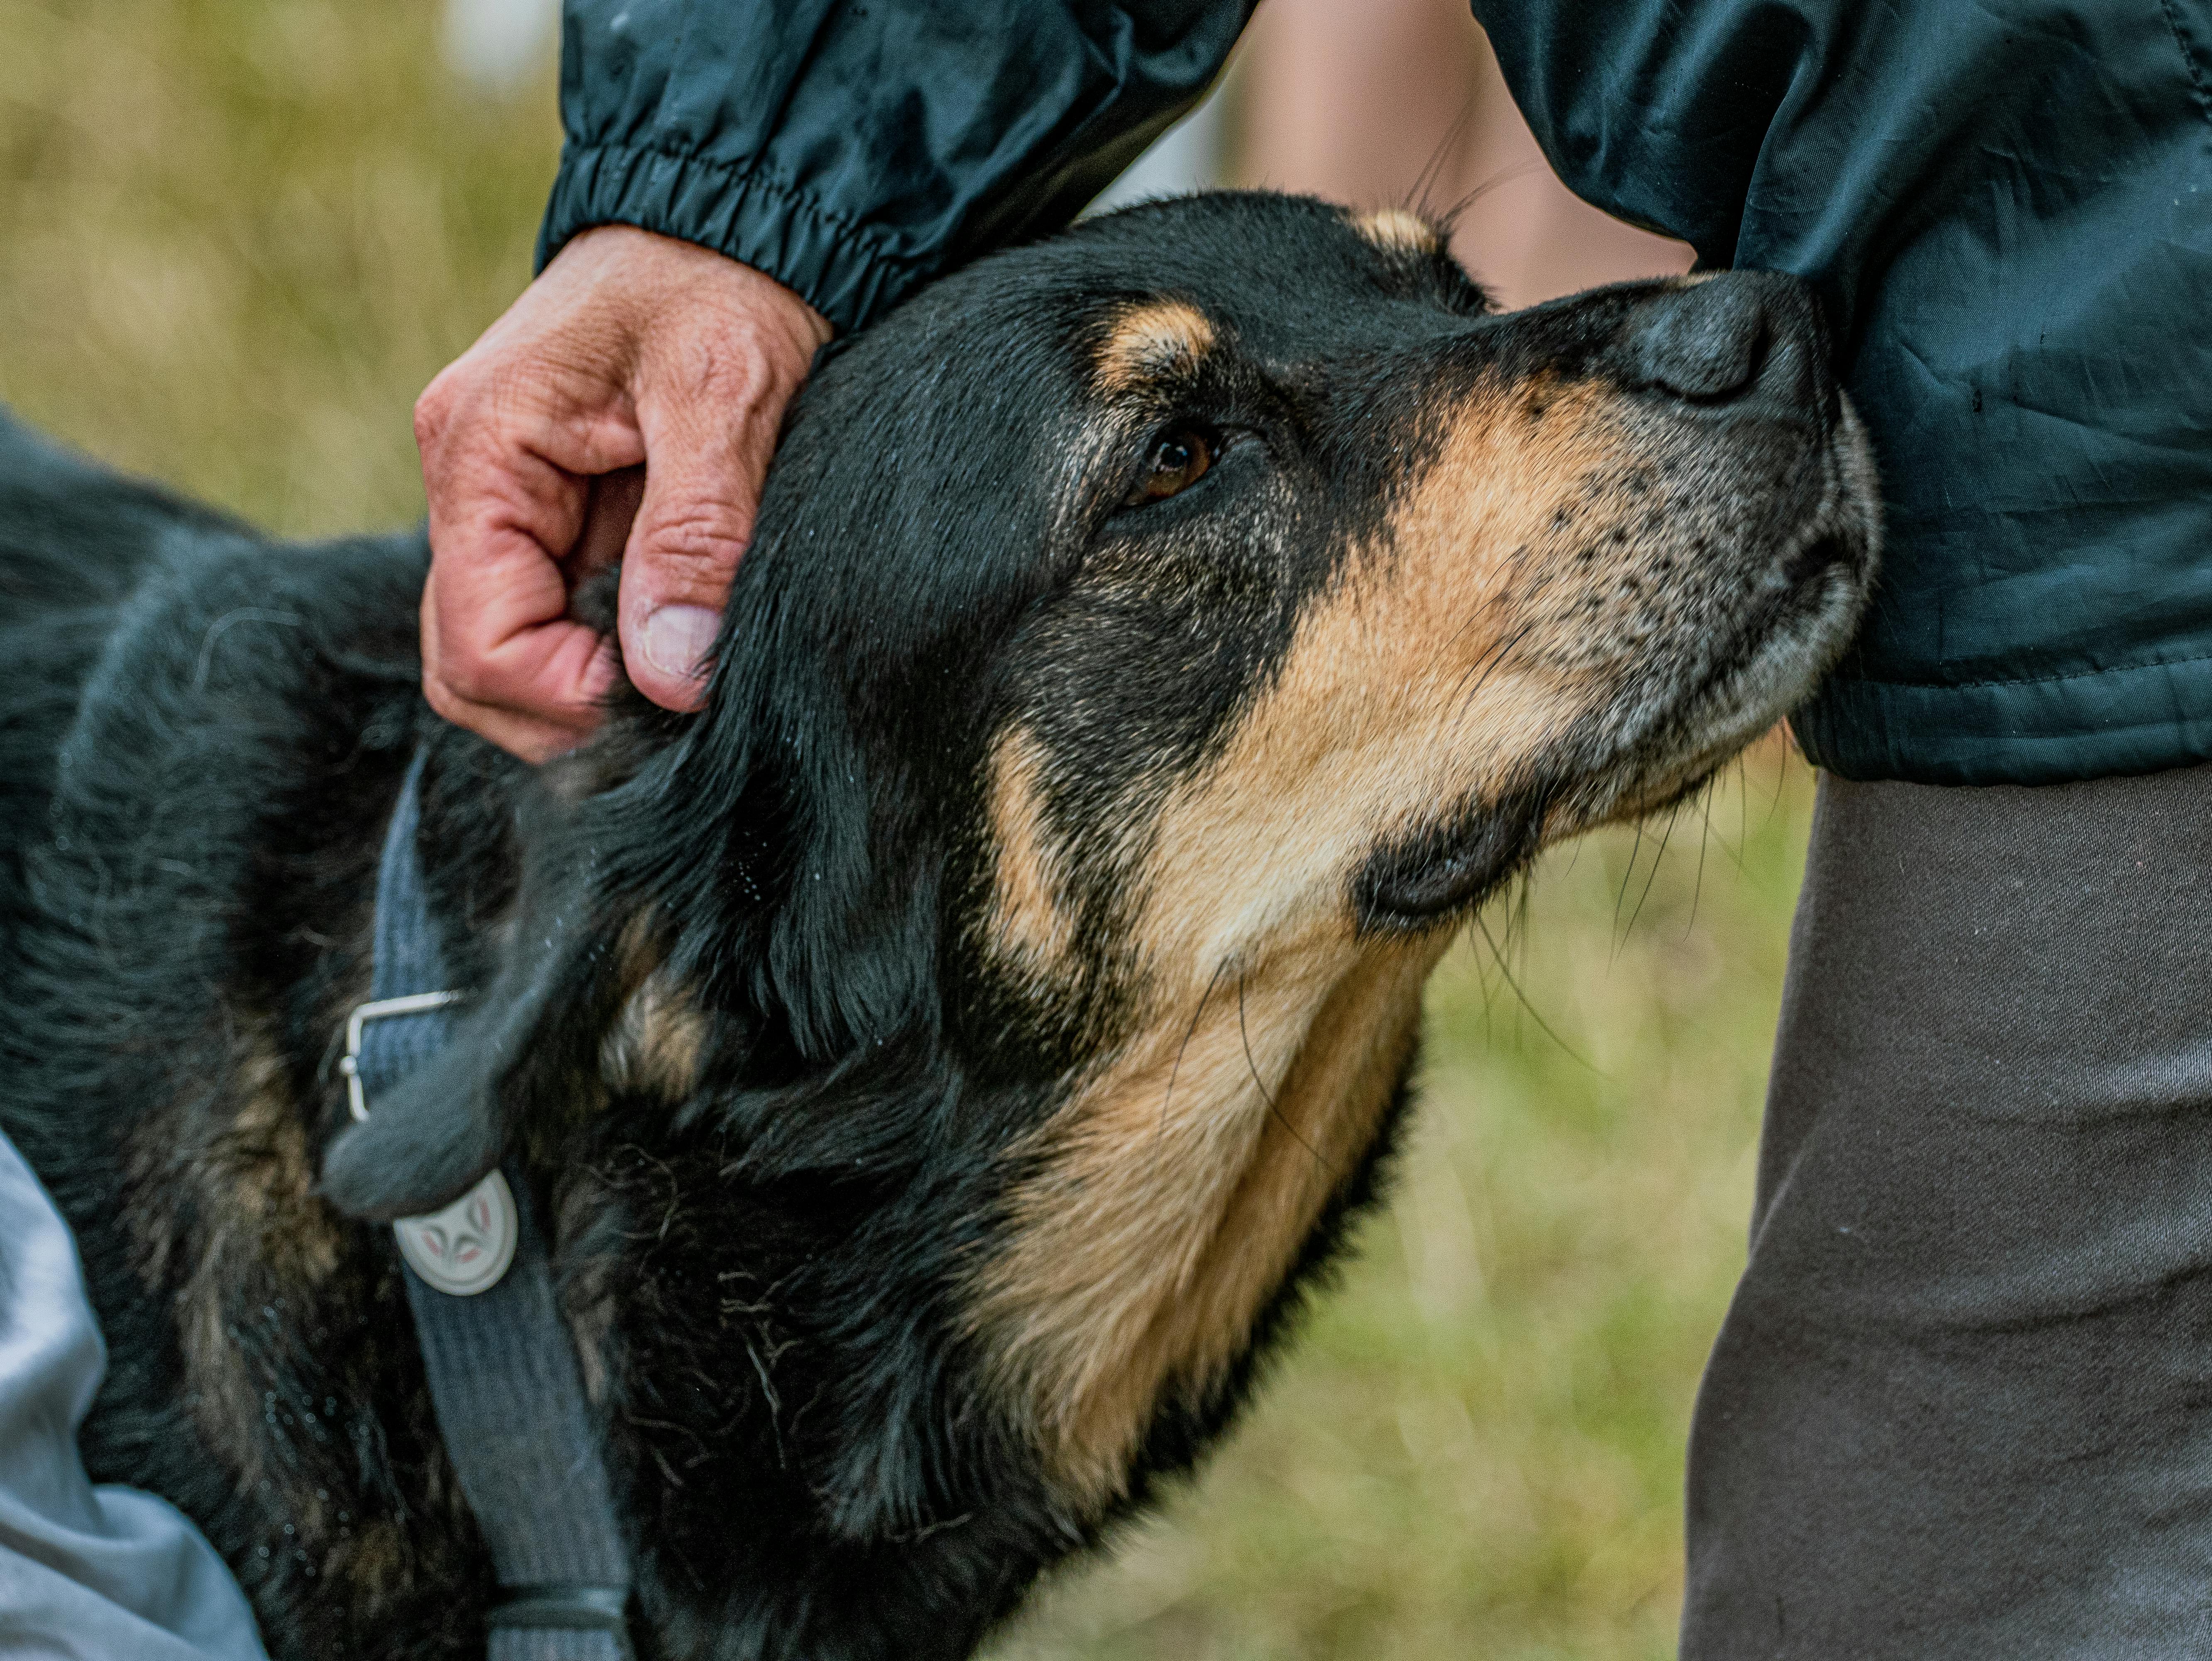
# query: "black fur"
202,734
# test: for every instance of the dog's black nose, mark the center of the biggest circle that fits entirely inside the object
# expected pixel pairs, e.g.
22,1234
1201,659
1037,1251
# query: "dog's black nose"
1750,343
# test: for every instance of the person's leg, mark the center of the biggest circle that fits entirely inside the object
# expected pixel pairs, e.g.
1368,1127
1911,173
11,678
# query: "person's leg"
1961,1405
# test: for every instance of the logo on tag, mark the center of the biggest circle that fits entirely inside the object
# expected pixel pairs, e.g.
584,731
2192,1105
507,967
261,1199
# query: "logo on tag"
466,1248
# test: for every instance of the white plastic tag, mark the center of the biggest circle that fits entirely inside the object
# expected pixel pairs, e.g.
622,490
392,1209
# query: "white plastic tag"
466,1248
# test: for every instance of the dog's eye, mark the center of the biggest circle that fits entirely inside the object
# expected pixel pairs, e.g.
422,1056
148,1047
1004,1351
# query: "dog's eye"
1179,460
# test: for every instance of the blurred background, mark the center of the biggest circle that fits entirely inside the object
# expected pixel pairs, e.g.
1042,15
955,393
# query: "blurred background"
238,236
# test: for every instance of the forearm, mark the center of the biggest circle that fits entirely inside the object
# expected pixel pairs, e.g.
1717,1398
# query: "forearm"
853,152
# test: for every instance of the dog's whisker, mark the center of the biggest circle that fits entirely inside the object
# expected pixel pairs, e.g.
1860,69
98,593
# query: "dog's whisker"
1196,1015
1417,196
1650,877
1542,1026
1626,878
1782,753
1734,855
1742,811
1269,1096
1705,836
1484,666
1450,217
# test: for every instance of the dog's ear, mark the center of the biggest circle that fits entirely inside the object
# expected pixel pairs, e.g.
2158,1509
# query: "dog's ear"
532,1036
572,992
643,896
744,873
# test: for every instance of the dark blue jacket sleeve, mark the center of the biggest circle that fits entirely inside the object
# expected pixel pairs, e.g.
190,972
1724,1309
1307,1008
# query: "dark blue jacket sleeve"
852,150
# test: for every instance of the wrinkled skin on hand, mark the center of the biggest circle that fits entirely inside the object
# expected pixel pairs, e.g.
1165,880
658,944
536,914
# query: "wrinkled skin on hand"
626,406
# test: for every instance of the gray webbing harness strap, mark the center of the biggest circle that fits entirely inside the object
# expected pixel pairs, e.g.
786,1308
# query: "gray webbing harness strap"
502,1371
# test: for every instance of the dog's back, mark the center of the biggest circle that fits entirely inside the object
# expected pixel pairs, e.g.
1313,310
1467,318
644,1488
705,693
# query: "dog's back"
86,556
200,728
140,692
73,539
115,666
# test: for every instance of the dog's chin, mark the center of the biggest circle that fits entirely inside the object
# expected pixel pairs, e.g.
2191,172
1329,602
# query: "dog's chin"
1790,639
1794,625
1777,670
1665,742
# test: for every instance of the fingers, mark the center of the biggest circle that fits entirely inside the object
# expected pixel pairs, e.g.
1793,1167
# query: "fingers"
609,511
709,405
629,348
510,435
534,695
702,485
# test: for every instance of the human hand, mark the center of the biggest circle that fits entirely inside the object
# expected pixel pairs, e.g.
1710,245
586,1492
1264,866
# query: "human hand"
629,348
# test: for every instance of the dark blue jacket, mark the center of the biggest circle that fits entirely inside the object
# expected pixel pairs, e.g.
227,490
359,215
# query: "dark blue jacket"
2008,205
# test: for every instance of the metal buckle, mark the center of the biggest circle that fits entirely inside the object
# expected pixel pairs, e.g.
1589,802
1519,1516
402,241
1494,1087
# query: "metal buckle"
376,1010
467,1247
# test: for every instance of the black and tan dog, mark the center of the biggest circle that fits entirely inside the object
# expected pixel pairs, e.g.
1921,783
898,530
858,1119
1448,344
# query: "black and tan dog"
945,1060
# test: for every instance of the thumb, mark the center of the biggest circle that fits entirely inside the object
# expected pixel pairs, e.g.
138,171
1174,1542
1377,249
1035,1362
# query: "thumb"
713,377
701,490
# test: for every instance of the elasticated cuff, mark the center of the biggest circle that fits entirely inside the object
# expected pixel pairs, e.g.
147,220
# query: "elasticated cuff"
841,270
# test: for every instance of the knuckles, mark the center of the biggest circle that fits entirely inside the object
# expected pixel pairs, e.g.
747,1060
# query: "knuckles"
443,702
434,414
692,355
701,542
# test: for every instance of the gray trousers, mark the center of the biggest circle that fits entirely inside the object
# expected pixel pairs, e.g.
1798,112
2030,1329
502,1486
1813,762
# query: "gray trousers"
1961,1405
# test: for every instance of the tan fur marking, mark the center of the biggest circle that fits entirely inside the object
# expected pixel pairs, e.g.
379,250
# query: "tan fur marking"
1400,230
375,1558
1025,925
1423,679
657,1042
259,1232
1172,1200
1177,1200
657,1039
1149,339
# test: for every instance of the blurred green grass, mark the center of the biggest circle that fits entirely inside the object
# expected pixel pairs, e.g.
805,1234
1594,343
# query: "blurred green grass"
240,237
237,237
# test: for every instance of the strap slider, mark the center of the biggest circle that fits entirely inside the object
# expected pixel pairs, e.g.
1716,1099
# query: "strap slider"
466,1248
566,1608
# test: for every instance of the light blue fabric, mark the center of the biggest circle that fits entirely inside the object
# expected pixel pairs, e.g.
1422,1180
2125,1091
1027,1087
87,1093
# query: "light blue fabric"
106,1573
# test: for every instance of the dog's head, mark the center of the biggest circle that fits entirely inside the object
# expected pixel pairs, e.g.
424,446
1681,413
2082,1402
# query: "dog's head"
1155,641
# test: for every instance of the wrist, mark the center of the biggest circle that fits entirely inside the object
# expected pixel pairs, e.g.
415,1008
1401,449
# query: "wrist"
650,277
